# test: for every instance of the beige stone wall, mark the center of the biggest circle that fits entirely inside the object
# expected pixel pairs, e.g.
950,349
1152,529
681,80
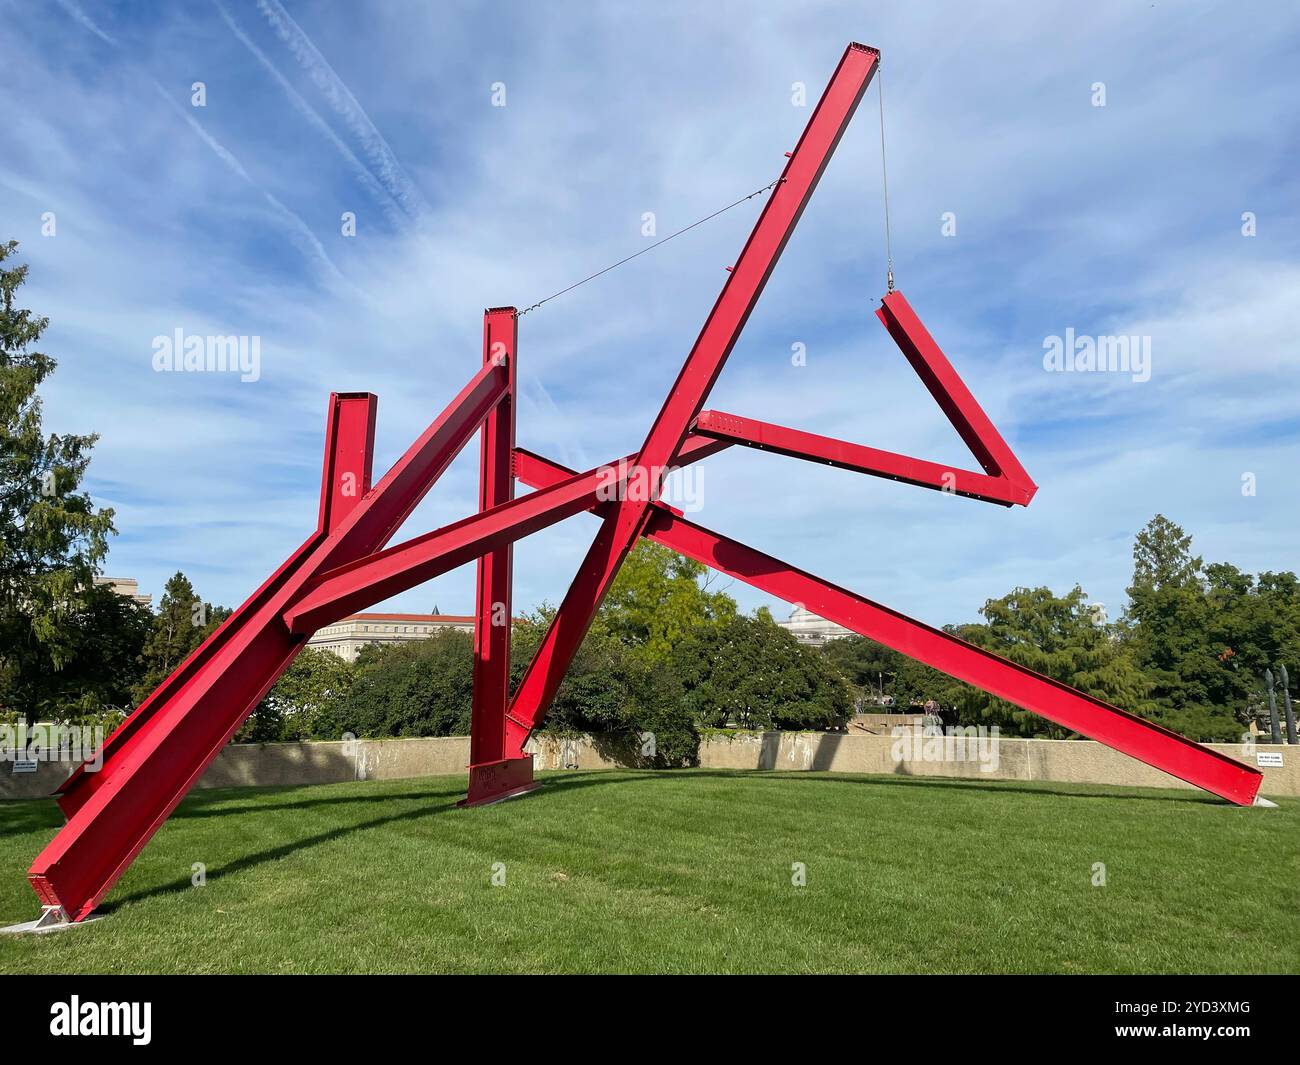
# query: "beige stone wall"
273,764
1067,761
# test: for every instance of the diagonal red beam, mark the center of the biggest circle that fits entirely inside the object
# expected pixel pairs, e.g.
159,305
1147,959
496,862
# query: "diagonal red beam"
401,489
764,436
950,391
158,754
374,578
1041,695
626,521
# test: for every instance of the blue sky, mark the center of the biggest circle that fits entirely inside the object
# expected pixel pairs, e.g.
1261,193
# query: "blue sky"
225,219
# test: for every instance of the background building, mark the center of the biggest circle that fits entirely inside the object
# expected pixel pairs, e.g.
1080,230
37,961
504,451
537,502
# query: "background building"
808,628
129,587
346,638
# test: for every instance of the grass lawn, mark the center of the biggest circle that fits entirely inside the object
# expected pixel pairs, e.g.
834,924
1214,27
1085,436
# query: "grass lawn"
686,872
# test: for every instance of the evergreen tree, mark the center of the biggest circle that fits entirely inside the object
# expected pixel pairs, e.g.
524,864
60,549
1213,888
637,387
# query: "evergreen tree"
182,623
52,537
1204,634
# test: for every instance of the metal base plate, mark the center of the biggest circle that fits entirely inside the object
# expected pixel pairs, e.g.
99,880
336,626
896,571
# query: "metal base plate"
52,919
491,782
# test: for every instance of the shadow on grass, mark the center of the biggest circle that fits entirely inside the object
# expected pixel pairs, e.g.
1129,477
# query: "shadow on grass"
272,854
1028,788
35,815
20,816
218,803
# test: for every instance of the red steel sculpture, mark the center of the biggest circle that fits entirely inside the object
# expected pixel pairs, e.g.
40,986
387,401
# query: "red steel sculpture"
161,750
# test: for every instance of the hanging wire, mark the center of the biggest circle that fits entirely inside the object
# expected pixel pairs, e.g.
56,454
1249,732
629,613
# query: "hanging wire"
884,181
665,240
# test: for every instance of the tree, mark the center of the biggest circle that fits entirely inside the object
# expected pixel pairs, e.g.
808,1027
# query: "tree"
421,688
1162,557
870,667
612,691
873,670
182,623
306,703
52,536
1205,634
1059,637
750,672
103,636
659,598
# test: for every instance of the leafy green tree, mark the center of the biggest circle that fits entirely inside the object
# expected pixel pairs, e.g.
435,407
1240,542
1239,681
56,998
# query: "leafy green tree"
182,623
1059,637
612,690
420,688
52,536
1204,634
874,670
750,672
870,667
306,703
659,598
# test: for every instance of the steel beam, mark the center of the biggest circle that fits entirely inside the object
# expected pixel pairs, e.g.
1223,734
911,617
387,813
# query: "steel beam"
157,755
384,574
491,776
951,393
492,586
1004,481
1041,695
763,436
745,282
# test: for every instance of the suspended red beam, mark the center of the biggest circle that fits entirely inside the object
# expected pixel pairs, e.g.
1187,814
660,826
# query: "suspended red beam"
950,392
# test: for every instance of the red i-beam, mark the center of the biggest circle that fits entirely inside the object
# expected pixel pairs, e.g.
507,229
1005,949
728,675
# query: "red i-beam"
154,757
493,776
626,521
159,752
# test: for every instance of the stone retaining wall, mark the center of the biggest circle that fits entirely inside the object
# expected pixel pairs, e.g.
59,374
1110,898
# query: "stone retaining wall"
1066,761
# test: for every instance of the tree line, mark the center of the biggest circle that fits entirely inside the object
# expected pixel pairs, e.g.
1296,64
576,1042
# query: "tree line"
668,653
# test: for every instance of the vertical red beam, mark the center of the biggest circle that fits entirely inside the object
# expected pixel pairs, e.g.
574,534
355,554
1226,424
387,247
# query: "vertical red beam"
494,773
113,813
492,605
349,451
722,328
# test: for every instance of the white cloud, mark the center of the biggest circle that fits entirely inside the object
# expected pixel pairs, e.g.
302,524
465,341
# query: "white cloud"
1120,220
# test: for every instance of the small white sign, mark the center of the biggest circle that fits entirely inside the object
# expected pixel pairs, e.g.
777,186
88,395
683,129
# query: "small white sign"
1268,759
26,765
